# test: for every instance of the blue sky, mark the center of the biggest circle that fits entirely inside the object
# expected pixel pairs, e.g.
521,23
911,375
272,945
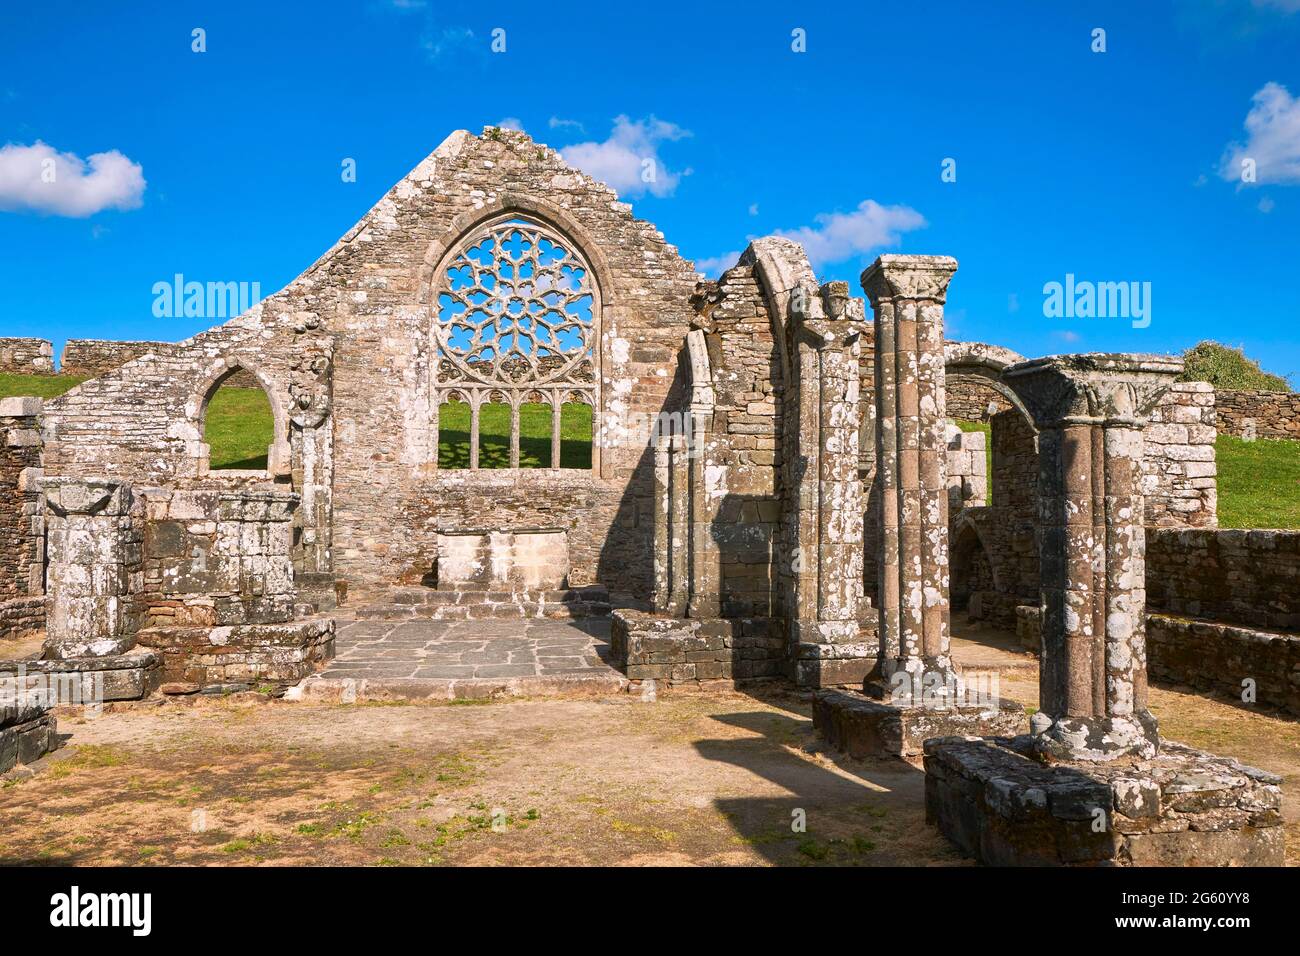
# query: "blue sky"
1119,166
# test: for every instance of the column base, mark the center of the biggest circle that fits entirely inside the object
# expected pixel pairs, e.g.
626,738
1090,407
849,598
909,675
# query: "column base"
861,726
1096,738
999,802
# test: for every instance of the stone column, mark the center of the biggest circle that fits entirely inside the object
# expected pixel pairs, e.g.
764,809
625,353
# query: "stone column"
908,294
95,568
1090,411
829,648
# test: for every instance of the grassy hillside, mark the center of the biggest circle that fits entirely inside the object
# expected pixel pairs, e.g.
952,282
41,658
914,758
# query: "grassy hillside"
1225,367
1259,483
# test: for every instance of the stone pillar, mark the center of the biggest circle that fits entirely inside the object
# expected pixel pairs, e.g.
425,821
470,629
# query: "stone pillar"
679,526
914,692
908,294
697,452
828,560
95,568
1090,411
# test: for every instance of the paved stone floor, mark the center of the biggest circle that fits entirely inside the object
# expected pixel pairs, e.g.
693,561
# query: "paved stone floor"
461,650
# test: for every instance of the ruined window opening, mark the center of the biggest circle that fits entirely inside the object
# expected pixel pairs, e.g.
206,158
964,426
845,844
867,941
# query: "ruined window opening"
514,334
238,424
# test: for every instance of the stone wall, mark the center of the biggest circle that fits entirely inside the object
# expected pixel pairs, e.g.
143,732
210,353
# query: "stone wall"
27,356
1256,414
345,353
216,558
1179,470
90,358
1248,578
968,479
741,453
1246,664
969,399
22,525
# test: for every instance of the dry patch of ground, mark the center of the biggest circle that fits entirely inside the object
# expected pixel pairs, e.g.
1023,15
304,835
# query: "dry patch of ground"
714,778
694,778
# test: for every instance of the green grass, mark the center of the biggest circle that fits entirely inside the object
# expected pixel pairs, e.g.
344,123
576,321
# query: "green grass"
1259,483
534,436
239,428
42,386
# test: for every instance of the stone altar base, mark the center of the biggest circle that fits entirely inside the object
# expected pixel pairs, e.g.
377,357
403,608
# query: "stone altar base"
1002,806
27,733
864,727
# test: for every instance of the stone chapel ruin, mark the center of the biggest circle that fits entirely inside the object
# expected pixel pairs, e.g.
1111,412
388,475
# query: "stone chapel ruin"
773,491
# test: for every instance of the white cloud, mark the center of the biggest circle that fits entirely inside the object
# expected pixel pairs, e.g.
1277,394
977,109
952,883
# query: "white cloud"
837,235
629,160
511,122
450,41
556,122
1266,205
716,265
1065,335
753,209
1273,128
38,178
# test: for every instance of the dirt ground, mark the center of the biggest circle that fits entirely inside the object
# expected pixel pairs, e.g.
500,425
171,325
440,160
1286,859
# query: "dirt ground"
695,778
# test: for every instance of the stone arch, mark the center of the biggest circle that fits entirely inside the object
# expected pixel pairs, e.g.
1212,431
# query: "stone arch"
781,266
986,363
278,454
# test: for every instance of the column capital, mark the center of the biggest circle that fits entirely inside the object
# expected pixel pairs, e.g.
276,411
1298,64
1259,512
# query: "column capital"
1094,387
908,277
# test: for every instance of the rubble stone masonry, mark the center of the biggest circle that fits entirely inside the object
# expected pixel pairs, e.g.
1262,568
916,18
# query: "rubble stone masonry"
26,356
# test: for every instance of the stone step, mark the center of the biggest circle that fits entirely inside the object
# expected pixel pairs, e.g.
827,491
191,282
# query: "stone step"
483,611
431,604
599,683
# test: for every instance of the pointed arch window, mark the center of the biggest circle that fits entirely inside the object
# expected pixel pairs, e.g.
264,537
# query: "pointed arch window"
515,377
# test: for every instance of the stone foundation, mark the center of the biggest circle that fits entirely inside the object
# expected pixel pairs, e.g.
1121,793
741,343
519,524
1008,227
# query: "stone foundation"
682,651
27,733
242,653
1182,808
864,727
90,680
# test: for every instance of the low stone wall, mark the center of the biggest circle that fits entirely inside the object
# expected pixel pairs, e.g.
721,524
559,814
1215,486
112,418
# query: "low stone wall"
21,617
1248,578
678,651
202,656
1255,414
26,356
1253,666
